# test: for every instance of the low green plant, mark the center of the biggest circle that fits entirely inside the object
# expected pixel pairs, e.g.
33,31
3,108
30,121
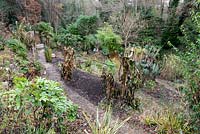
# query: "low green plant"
71,111
2,41
149,69
55,41
150,84
22,33
105,125
48,54
30,69
149,64
37,103
150,121
111,66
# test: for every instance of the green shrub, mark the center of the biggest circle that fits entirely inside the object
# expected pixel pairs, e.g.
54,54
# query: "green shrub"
193,98
45,30
90,42
191,40
18,47
110,42
192,79
150,33
172,29
68,39
80,33
84,25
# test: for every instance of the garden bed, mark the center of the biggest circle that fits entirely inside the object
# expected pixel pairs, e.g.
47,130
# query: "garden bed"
90,87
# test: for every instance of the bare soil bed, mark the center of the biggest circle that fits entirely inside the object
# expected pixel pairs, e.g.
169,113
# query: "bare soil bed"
87,85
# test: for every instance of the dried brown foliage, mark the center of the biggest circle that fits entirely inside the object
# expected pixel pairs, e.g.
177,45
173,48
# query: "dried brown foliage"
30,10
108,83
68,64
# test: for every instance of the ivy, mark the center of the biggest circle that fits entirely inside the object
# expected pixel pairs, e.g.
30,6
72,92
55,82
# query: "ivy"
191,54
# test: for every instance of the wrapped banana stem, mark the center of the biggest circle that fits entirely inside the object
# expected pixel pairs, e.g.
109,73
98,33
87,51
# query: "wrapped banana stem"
68,64
130,79
108,84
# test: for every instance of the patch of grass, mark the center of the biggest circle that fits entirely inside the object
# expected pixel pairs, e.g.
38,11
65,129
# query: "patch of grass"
173,67
168,122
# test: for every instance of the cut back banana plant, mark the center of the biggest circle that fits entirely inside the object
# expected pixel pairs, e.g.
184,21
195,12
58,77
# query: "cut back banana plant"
105,125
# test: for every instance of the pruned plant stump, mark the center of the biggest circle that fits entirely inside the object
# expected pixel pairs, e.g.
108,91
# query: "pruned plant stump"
68,64
108,83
